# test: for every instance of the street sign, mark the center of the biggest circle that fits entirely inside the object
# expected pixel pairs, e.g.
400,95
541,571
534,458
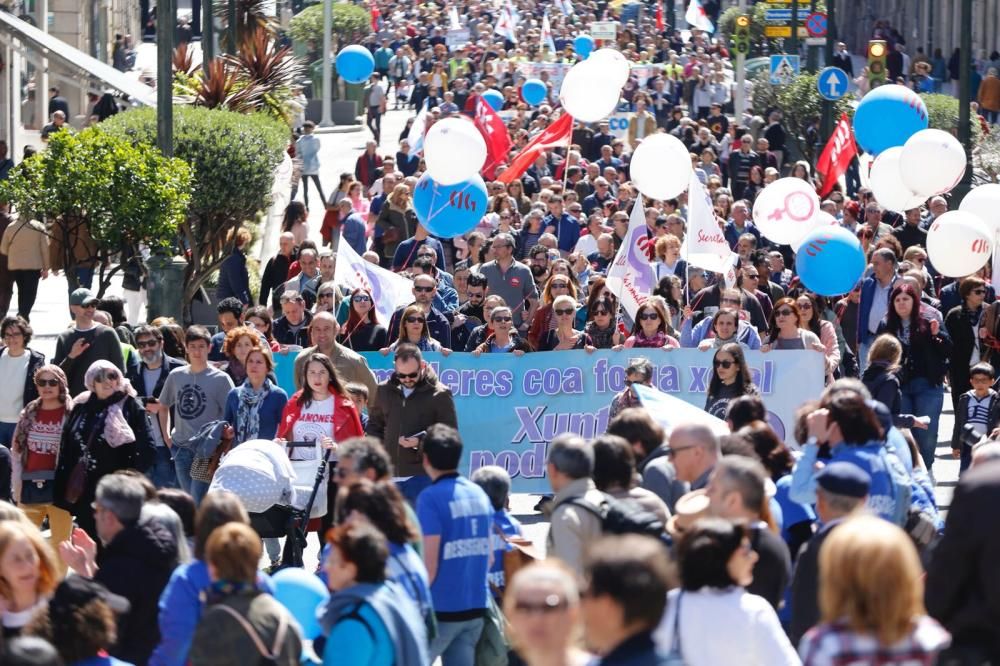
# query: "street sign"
778,31
832,83
815,41
816,24
784,69
777,15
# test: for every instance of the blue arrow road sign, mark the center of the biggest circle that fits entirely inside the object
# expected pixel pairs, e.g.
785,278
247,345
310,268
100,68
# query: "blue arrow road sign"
832,83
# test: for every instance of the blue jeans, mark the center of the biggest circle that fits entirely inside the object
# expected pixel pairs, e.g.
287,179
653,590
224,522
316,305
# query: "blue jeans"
162,472
7,433
182,466
198,490
413,487
456,642
863,348
921,398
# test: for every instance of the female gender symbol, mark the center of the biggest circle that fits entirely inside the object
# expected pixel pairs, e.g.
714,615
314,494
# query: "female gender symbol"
799,207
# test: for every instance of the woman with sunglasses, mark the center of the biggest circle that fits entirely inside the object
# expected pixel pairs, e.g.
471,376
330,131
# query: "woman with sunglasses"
730,379
362,332
651,328
786,330
504,338
35,449
564,336
516,191
542,606
809,310
602,326
18,365
413,328
963,323
259,317
107,432
926,350
544,321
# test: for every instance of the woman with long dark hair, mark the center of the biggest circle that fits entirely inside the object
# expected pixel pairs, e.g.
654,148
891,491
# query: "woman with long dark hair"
602,325
730,379
652,328
786,329
295,221
362,332
926,349
811,319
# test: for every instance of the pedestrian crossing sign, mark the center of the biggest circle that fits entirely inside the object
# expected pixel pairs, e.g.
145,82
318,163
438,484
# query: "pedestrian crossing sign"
784,68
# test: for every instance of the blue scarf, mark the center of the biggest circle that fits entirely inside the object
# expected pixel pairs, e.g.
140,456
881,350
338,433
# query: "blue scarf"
248,410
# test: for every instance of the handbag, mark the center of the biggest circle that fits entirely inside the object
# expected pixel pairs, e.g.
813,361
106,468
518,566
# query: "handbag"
77,481
38,487
521,553
675,657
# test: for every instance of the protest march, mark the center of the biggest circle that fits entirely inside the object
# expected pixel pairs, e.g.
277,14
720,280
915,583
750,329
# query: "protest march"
614,333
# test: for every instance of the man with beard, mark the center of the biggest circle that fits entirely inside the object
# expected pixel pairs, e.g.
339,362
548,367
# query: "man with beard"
148,379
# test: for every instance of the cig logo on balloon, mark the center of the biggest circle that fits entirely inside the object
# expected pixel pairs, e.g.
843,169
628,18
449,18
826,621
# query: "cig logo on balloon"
981,246
462,200
816,246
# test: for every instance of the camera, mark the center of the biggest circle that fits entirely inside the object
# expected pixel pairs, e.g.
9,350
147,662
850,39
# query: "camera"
970,436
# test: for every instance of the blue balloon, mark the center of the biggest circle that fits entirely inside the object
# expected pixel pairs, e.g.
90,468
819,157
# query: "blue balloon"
534,92
830,260
355,63
450,210
301,593
494,98
583,45
887,117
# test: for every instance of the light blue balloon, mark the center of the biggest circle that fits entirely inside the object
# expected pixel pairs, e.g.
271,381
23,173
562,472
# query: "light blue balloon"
887,117
355,63
450,210
534,91
494,98
830,260
583,45
302,593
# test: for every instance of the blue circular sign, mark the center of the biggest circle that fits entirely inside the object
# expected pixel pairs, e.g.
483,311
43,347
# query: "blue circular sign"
816,25
832,83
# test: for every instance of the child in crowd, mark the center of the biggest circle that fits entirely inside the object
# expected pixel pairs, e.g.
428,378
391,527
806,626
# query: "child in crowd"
979,409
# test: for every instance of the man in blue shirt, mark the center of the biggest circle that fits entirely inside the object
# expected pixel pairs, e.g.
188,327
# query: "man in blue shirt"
565,227
352,227
456,518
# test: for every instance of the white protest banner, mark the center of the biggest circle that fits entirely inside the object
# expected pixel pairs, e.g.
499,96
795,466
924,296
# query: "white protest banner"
389,290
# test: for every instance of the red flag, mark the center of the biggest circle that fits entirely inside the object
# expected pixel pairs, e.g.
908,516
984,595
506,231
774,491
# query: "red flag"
376,15
660,25
837,155
495,134
555,135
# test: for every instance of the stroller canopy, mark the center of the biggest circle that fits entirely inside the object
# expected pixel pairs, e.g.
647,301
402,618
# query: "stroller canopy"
259,473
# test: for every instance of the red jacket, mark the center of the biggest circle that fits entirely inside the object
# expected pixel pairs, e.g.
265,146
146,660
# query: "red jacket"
346,422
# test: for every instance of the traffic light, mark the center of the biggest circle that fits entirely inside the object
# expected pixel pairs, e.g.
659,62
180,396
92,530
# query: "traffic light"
741,35
877,50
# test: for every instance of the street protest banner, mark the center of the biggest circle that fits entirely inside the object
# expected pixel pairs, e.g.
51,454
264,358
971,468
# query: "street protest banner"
510,407
546,71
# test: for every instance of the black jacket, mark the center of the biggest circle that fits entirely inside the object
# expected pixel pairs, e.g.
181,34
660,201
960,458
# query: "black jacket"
137,564
926,356
963,341
35,361
805,585
283,333
275,275
962,415
963,580
138,381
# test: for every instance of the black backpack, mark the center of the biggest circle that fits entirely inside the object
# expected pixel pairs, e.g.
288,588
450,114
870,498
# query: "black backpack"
622,516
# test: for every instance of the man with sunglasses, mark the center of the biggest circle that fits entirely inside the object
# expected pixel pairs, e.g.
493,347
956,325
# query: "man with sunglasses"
148,379
471,311
77,348
425,288
408,250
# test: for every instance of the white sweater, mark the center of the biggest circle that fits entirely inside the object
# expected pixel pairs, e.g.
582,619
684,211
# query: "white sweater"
727,626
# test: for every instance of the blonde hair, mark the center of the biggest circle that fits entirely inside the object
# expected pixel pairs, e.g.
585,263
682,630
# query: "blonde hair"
870,578
886,348
48,566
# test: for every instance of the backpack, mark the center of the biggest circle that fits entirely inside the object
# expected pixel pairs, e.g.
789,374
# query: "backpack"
622,516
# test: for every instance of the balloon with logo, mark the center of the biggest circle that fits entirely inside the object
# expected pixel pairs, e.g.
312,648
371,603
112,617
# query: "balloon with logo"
887,184
454,150
588,93
494,98
984,203
534,91
959,243
888,116
661,166
933,161
583,45
450,210
830,260
784,210
355,63
302,593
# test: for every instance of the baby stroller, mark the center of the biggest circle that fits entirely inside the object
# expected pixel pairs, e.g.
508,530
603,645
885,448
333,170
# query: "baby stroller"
279,493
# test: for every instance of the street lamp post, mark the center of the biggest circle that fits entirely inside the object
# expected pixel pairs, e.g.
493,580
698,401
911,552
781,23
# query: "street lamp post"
964,94
326,120
166,17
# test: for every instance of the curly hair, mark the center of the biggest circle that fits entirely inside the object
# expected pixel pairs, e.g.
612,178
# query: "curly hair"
87,630
234,336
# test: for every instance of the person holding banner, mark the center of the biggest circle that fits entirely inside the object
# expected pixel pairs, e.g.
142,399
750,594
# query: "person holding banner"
786,332
504,339
362,332
650,328
413,330
565,336
730,379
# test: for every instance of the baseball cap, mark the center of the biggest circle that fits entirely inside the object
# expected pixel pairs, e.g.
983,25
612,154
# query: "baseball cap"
82,296
844,478
77,591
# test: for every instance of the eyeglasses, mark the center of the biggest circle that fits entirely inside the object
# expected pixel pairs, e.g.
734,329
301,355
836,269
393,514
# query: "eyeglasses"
416,320
805,306
46,382
674,451
564,312
142,344
361,298
423,290
408,375
783,312
725,364
505,217
649,316
502,320
325,294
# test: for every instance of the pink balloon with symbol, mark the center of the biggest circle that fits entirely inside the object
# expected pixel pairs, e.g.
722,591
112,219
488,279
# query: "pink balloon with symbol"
784,210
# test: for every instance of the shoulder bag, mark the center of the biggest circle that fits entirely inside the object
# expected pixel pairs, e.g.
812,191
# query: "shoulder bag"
267,657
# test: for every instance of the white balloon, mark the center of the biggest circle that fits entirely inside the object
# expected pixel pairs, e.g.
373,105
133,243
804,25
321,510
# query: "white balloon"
454,151
984,203
933,162
613,65
784,210
959,243
661,166
865,161
820,219
887,181
587,94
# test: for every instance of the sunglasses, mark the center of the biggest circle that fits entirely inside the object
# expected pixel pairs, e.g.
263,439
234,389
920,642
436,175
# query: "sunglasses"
563,313
474,295
416,320
142,344
325,294
752,276
560,285
725,364
47,382
503,320
408,375
361,299
424,290
805,306
601,313
107,377
784,312
649,316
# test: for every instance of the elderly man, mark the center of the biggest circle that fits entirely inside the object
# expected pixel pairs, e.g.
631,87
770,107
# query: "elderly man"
308,280
573,528
694,451
291,328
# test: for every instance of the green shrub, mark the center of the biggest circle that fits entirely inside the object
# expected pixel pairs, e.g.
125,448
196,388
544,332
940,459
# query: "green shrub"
347,19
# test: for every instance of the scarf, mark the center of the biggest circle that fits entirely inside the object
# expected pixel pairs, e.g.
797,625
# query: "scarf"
115,428
248,411
658,340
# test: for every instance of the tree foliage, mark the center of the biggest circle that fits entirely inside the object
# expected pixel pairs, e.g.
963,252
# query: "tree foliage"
252,17
232,157
99,186
348,19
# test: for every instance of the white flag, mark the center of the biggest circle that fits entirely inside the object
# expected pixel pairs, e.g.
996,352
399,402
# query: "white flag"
697,18
505,25
389,290
705,245
415,137
566,6
547,33
453,18
630,276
